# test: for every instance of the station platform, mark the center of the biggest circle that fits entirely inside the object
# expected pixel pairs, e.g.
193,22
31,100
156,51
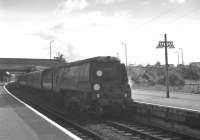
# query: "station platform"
19,122
186,101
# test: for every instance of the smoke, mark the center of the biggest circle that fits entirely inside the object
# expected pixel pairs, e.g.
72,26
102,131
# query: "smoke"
45,35
68,50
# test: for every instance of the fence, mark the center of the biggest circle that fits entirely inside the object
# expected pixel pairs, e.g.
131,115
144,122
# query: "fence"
192,85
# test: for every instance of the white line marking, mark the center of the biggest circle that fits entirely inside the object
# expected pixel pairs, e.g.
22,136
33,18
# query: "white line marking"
187,109
46,118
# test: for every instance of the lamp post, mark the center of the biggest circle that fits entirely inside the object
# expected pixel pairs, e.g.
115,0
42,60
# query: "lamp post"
125,47
50,47
182,55
117,55
177,56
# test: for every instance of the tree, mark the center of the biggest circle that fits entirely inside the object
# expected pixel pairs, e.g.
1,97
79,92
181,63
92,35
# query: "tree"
60,57
157,64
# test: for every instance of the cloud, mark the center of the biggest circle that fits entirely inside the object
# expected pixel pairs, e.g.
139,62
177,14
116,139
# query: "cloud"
177,1
58,28
108,1
72,5
51,32
78,32
145,2
61,45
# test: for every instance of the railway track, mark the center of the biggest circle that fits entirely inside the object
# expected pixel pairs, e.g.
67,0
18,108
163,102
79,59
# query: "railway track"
142,132
58,117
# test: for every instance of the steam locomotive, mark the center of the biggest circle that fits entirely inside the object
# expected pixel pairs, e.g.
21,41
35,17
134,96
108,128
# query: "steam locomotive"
96,84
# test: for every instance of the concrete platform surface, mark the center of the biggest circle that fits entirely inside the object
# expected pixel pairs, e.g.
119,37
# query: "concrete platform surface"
182,100
17,122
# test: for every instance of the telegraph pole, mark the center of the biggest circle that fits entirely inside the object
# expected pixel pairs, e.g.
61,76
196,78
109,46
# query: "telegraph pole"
117,55
166,44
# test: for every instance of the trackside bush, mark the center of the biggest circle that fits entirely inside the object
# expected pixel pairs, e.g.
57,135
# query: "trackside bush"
175,79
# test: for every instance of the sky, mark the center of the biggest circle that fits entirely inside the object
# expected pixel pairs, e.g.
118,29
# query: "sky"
87,28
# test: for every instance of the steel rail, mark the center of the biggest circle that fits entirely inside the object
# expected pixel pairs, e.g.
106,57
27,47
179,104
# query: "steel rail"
147,132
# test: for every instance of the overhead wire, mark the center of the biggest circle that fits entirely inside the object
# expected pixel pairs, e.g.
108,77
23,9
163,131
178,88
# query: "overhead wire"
169,11
185,15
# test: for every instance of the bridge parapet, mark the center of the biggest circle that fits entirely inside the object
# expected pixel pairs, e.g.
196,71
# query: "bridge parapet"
20,64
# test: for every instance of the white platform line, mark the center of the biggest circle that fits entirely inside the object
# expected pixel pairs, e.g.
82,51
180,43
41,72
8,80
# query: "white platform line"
161,105
46,118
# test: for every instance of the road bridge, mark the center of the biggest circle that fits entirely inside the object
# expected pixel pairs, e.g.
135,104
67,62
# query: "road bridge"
15,65
20,64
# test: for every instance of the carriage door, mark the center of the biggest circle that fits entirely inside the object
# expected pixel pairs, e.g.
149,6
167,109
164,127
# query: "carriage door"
57,79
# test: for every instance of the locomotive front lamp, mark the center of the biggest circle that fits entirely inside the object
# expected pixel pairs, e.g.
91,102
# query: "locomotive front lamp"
99,73
96,87
125,95
98,95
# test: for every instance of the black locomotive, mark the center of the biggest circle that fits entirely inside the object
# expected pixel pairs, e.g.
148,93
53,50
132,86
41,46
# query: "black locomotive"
97,84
